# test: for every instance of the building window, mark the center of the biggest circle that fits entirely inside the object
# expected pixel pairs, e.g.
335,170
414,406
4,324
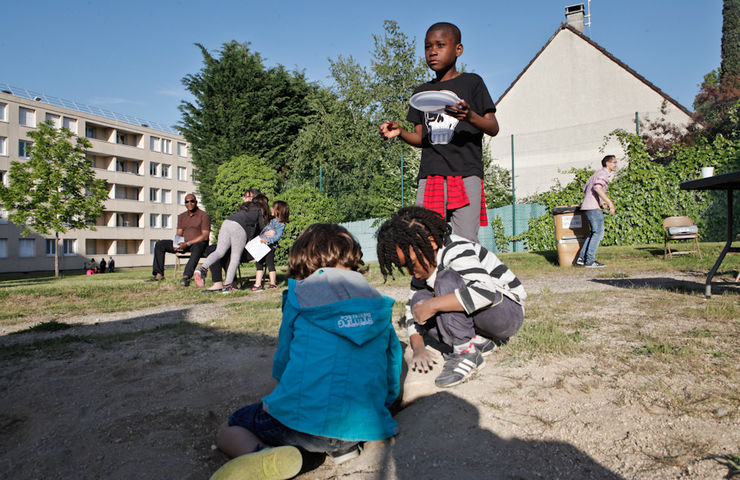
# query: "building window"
154,169
165,221
166,196
26,117
26,248
182,174
181,198
122,139
154,195
56,120
51,247
166,146
155,144
3,112
152,244
182,149
89,131
69,246
3,248
4,146
166,171
23,148
153,220
70,123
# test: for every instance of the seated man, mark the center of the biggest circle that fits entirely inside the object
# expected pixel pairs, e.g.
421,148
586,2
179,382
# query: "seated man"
194,226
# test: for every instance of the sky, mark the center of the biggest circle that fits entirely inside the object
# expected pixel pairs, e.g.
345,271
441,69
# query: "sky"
130,57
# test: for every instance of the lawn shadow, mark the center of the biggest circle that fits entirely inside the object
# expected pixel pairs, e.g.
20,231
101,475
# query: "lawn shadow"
667,283
655,252
550,255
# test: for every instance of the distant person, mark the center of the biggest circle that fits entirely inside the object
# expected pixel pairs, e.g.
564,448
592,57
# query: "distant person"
462,298
94,266
194,226
235,232
594,199
103,265
338,365
271,235
450,180
111,265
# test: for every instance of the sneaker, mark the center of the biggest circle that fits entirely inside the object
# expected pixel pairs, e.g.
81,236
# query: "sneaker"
257,288
486,346
185,281
580,262
200,275
345,455
595,264
458,367
229,289
280,463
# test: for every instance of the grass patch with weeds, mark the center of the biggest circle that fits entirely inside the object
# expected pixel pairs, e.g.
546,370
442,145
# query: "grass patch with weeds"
652,348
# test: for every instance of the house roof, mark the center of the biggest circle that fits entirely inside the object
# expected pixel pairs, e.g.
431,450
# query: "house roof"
565,26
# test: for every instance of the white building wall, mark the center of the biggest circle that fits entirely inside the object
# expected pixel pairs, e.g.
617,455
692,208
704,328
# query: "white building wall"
561,108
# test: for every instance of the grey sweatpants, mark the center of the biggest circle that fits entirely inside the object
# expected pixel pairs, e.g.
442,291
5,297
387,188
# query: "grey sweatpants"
465,220
231,236
499,321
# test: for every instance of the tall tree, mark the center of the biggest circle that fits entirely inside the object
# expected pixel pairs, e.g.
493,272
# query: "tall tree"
340,147
730,39
55,190
240,108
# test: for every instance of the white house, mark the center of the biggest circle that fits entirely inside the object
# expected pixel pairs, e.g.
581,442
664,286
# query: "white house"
563,104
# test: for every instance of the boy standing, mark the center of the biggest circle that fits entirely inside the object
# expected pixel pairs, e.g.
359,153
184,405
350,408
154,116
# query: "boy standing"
451,171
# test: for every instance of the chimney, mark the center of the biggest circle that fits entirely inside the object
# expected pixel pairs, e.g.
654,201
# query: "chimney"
574,16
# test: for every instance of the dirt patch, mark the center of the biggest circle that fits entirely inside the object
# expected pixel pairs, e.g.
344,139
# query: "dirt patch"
124,399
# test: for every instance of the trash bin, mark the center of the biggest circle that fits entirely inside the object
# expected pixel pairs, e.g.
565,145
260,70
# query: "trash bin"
571,230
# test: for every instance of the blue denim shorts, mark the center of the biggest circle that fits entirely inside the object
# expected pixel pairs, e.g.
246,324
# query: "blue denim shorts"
273,433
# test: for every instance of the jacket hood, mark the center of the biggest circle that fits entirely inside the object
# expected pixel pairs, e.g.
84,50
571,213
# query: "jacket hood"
357,318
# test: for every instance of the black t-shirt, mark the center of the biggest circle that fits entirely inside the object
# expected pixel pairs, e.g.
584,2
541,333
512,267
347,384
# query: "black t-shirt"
449,147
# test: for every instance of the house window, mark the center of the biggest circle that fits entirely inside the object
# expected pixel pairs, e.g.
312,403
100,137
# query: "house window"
26,248
182,174
154,195
166,171
182,149
165,221
181,198
4,146
51,247
89,131
70,123
155,144
69,246
154,169
166,196
26,117
3,112
56,120
153,220
3,248
166,146
23,148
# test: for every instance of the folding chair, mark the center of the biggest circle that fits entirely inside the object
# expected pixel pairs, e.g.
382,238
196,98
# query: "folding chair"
680,228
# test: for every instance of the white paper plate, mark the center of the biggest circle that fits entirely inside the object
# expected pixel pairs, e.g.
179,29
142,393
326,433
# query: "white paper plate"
433,101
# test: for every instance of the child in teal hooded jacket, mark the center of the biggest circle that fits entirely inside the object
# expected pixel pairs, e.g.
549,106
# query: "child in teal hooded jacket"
338,361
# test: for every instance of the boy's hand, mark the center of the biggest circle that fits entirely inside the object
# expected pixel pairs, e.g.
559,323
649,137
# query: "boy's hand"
461,111
390,129
423,311
422,360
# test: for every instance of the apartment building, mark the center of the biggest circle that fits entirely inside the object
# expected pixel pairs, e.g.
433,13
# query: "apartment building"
148,169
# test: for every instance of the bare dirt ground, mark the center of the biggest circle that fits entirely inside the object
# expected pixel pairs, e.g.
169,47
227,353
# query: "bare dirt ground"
144,403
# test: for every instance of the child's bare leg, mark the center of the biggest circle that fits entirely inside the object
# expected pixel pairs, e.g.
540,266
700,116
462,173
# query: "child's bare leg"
235,441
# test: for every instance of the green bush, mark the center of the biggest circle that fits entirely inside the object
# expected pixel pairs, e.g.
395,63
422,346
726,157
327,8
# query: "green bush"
645,192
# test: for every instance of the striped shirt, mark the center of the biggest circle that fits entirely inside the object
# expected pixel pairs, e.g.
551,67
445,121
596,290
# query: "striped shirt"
482,271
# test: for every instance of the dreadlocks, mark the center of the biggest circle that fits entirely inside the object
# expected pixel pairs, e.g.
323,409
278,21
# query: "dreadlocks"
411,227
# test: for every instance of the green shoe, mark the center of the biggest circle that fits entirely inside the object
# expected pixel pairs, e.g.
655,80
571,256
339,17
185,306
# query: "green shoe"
278,463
